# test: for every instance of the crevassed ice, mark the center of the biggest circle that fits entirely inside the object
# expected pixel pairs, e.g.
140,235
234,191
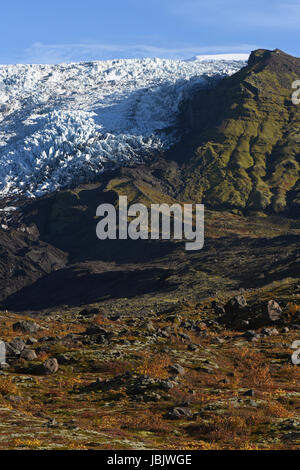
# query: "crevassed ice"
63,124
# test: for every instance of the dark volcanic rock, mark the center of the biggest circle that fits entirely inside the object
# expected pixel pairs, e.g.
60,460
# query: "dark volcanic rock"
95,330
138,387
177,369
241,316
235,305
251,335
219,310
89,312
179,413
64,360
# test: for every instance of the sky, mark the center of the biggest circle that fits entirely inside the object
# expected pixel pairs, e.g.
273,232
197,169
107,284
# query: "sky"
55,31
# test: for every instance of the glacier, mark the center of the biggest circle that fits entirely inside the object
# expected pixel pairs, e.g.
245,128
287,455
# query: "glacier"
62,125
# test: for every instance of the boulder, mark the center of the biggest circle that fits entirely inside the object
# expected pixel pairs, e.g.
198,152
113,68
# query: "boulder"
274,311
63,360
18,344
270,332
179,413
177,369
89,312
251,335
28,355
95,330
26,326
50,366
31,341
219,310
11,352
235,305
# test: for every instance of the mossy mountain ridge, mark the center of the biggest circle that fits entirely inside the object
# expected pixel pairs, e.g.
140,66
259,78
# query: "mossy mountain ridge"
242,149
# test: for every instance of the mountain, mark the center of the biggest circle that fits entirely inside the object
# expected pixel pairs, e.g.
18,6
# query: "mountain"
125,344
242,151
238,153
235,136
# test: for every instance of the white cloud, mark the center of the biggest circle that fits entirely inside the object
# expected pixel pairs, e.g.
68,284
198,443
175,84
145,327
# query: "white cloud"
57,53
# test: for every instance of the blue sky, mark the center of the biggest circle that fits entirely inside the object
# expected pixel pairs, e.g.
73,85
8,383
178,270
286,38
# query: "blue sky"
44,31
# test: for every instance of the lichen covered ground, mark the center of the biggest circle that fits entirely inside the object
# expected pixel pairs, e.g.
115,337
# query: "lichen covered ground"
149,373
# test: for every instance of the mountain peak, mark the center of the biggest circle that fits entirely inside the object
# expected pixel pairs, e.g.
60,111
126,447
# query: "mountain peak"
243,150
265,56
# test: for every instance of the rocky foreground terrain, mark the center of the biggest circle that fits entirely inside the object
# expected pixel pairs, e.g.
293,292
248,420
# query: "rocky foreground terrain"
141,344
155,372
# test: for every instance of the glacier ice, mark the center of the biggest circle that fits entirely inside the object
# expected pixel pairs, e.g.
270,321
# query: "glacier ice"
63,124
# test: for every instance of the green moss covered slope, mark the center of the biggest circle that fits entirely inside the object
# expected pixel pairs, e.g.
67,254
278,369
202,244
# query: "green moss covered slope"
242,151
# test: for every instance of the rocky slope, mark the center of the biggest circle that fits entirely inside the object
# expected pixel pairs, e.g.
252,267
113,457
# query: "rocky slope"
243,147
